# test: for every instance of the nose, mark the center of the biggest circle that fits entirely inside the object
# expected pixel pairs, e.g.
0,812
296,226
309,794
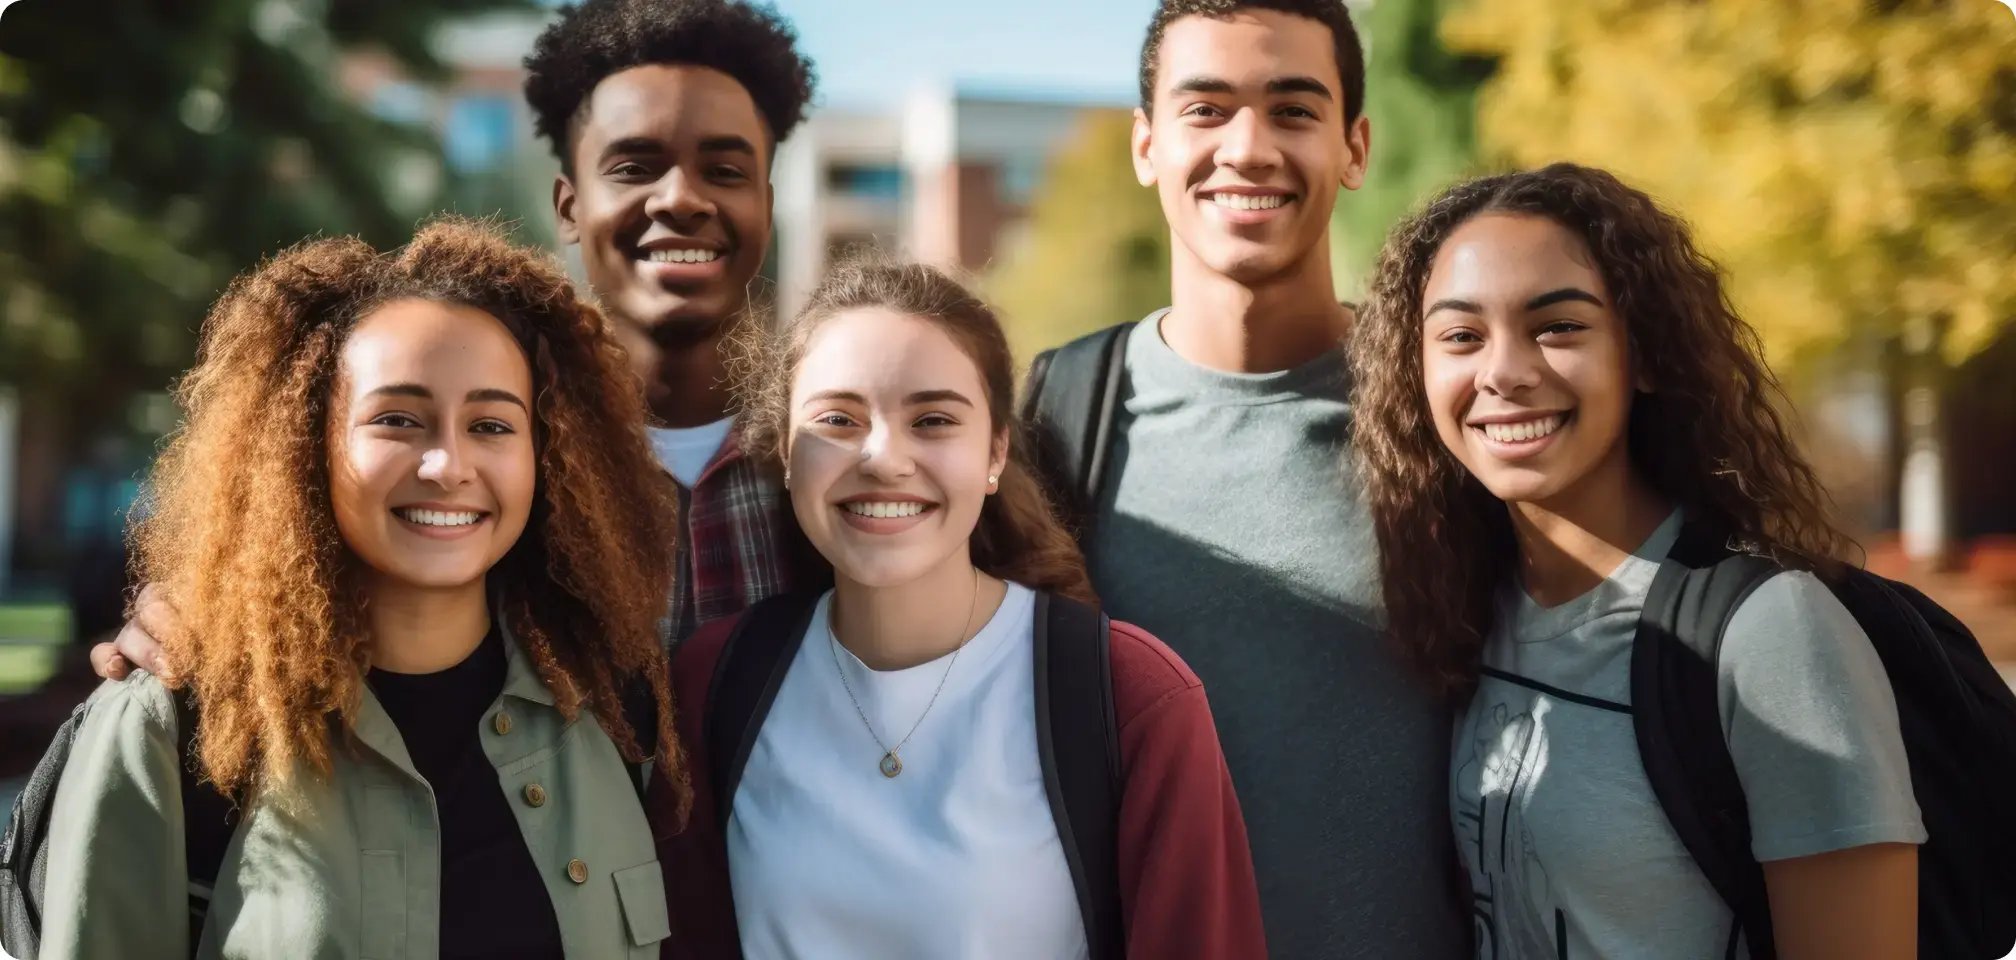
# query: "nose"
680,199
1247,143
886,455
1511,366
444,465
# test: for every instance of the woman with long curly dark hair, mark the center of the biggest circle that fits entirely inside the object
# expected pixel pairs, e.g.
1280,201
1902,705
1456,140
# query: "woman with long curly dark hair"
896,797
1551,387
418,546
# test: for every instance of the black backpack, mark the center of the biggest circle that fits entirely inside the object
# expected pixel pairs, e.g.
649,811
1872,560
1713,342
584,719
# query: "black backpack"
208,821
1957,714
1069,402
1076,736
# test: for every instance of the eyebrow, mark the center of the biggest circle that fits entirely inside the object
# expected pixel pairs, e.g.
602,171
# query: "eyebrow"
481,395
727,143
1299,85
920,397
1562,295
1203,84
1547,299
623,145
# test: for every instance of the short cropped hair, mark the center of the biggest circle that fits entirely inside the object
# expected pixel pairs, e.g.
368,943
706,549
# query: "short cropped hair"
1330,13
747,41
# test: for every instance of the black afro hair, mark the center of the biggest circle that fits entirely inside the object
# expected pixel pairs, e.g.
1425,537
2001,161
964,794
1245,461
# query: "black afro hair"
596,38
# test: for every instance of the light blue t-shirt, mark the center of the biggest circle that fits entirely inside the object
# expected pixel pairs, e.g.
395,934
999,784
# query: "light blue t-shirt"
1568,851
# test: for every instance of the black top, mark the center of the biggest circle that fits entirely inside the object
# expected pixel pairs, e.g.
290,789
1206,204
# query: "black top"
493,902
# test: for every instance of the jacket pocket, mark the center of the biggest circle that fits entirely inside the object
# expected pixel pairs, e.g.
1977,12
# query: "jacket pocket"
641,891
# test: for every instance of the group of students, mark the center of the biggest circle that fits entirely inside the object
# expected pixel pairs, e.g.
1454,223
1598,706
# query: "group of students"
1373,574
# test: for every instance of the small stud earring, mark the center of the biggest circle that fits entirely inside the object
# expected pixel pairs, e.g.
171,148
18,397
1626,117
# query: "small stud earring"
787,479
992,480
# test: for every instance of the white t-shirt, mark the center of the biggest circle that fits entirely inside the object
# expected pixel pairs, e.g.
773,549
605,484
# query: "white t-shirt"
686,451
1569,852
957,857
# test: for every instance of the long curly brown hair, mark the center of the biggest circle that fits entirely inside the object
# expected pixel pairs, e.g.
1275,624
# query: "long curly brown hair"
242,536
1709,435
1018,537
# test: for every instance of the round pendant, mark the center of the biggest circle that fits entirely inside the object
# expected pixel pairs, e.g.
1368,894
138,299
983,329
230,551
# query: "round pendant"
891,765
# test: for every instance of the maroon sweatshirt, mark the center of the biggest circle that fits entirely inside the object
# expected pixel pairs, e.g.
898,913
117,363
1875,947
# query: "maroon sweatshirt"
1186,876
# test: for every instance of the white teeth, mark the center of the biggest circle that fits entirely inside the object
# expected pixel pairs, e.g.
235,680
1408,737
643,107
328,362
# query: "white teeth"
1526,430
439,518
682,256
898,508
1240,201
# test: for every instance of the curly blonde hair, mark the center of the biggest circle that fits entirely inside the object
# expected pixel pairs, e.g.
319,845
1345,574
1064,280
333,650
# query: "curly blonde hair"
242,537
1709,435
1019,537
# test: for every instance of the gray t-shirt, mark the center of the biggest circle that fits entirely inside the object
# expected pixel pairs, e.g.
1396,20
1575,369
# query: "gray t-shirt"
1230,529
1568,851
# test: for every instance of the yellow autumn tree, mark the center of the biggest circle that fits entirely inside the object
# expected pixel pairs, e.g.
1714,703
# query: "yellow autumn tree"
1094,251
1852,162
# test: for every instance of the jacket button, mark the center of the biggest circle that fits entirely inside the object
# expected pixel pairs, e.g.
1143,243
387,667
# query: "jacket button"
502,723
536,796
577,871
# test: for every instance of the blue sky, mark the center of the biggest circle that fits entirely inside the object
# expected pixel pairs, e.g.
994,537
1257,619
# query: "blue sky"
871,52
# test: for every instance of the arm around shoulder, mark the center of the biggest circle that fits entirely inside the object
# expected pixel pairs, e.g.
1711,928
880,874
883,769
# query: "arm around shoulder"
1187,888
118,881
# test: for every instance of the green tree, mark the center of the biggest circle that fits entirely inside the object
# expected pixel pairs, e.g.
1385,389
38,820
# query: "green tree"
1853,163
149,151
1422,101
1094,251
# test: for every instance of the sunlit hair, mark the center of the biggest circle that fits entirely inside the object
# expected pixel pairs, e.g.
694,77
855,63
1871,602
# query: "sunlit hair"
1709,435
243,538
1018,537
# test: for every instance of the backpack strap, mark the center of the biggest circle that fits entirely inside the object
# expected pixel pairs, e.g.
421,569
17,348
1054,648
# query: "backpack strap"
1676,712
209,818
753,663
1070,402
640,711
1079,746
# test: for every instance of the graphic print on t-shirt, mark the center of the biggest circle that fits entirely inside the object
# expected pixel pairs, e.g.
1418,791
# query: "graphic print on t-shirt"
1505,755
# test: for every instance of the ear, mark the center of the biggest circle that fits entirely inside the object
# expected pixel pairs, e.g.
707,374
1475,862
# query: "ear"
1358,140
1144,170
563,210
997,461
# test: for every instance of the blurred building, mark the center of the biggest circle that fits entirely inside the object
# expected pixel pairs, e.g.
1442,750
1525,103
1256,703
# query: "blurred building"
495,163
944,178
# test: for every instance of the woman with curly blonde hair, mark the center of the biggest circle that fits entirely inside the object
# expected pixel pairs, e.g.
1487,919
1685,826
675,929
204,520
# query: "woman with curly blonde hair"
418,546
1553,395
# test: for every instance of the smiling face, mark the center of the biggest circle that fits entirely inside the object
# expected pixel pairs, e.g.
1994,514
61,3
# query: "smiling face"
432,469
669,198
1247,141
1528,368
890,446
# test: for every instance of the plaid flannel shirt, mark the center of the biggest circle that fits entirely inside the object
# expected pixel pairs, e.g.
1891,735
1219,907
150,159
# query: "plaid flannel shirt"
738,542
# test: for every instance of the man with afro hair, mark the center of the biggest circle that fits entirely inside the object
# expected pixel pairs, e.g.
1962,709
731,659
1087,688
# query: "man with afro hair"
666,115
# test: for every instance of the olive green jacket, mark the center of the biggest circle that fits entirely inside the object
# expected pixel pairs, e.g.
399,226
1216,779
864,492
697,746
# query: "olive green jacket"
349,866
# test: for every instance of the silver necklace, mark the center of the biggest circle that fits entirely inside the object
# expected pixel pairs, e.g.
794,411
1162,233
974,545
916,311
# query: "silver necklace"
892,763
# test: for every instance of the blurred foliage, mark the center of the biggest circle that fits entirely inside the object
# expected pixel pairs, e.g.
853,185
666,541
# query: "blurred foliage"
1852,162
150,149
1094,251
1422,100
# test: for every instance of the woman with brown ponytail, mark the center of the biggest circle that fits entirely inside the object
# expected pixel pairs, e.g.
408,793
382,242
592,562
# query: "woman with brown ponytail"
892,794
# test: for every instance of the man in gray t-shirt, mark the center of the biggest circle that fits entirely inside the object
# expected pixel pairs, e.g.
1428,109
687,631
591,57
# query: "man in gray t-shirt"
1229,530
1227,522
